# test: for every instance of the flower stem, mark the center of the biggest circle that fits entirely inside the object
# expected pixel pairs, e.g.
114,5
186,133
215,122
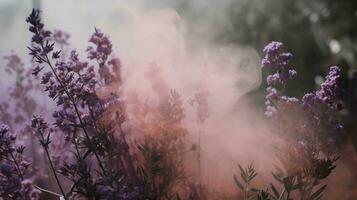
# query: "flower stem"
47,60
52,167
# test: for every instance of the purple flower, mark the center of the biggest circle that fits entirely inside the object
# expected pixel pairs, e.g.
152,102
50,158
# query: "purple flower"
6,169
12,167
272,48
37,28
102,47
46,77
6,141
289,100
275,80
37,70
274,56
270,111
272,94
39,123
309,100
60,37
329,91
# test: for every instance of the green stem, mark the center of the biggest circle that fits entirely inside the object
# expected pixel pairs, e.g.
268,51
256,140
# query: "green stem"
282,194
52,167
17,165
76,111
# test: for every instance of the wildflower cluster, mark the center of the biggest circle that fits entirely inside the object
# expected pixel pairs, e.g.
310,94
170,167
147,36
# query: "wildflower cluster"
72,84
310,150
13,184
89,112
274,57
323,104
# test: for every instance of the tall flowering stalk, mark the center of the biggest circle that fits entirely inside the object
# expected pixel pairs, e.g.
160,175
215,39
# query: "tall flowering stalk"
73,85
307,126
43,133
62,84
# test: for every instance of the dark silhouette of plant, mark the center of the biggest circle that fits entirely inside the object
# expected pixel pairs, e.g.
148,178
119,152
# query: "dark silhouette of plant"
247,175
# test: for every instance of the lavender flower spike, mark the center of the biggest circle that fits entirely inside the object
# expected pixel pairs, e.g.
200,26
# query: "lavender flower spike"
329,91
275,57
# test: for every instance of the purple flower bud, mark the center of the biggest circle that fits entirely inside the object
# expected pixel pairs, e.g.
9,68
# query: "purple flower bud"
329,91
37,70
274,56
46,77
275,80
289,100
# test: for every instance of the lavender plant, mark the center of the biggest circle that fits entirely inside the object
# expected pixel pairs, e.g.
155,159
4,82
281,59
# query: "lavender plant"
311,150
14,183
308,128
103,166
72,84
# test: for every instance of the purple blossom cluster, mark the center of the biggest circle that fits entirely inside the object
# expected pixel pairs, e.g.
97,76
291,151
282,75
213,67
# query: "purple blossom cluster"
13,184
324,103
309,125
275,57
318,105
100,52
102,166
279,60
72,84
329,92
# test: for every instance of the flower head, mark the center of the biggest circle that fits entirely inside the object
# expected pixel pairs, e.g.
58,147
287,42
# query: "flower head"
329,91
275,57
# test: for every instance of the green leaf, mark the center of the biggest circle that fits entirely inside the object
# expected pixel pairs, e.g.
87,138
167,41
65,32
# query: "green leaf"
238,183
253,176
316,195
275,191
277,178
